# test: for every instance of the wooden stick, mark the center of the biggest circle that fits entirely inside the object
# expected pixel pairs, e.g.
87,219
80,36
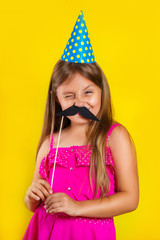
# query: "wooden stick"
56,151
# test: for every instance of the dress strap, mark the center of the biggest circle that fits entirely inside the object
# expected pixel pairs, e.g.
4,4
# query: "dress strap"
110,130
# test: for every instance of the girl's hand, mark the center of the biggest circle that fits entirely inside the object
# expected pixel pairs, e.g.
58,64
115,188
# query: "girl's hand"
39,189
61,202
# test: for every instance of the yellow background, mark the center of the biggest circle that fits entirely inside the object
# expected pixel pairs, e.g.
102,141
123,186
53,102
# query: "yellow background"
125,37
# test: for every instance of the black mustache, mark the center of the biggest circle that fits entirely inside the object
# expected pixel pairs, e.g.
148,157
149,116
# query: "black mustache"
74,110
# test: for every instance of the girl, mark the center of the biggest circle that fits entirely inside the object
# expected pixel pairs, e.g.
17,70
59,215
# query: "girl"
96,176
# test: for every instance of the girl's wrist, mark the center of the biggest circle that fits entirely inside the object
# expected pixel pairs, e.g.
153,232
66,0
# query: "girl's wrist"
79,208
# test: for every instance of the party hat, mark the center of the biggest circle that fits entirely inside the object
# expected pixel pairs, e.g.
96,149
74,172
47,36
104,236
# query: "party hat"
78,48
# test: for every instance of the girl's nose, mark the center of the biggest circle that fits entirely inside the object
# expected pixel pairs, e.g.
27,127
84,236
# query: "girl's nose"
79,101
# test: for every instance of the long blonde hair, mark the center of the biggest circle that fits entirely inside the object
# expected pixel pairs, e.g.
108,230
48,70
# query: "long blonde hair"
96,131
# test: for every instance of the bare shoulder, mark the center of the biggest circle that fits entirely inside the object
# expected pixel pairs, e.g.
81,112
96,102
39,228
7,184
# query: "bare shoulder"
43,151
120,132
121,142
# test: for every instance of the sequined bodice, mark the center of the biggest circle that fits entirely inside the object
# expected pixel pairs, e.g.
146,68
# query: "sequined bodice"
82,156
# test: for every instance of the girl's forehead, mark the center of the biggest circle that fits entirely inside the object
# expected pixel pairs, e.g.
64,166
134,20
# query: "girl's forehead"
77,81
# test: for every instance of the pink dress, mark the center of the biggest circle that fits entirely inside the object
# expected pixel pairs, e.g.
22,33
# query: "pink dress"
72,177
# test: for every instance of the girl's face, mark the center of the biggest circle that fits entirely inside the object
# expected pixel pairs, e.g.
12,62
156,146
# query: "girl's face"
81,92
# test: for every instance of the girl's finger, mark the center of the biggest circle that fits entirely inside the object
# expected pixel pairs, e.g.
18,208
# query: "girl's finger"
46,185
51,199
38,193
53,207
33,196
51,202
56,210
55,196
42,189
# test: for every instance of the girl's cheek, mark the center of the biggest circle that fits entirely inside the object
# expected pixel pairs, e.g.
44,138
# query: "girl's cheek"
94,101
66,103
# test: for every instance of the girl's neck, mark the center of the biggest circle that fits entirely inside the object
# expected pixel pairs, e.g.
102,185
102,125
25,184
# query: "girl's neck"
77,129
70,136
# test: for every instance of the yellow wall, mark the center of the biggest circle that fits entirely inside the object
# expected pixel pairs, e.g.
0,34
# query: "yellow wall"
125,37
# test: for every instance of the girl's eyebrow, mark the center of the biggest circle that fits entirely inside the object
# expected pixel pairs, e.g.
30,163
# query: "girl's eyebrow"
83,89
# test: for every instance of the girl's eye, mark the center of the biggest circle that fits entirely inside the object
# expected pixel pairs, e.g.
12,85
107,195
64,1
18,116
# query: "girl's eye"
68,96
72,95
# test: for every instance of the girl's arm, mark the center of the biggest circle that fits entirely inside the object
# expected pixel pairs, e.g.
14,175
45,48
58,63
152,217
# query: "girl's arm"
126,198
39,185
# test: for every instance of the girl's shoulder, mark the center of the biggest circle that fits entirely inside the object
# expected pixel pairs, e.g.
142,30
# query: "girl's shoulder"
118,126
115,132
44,146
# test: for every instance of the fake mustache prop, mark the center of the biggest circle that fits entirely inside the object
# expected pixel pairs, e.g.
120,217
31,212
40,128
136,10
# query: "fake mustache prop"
83,111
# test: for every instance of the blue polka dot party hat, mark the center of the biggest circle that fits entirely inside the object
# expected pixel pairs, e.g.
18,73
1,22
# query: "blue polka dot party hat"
78,48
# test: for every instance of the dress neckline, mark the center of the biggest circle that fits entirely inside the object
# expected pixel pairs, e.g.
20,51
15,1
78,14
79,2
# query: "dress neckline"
73,146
